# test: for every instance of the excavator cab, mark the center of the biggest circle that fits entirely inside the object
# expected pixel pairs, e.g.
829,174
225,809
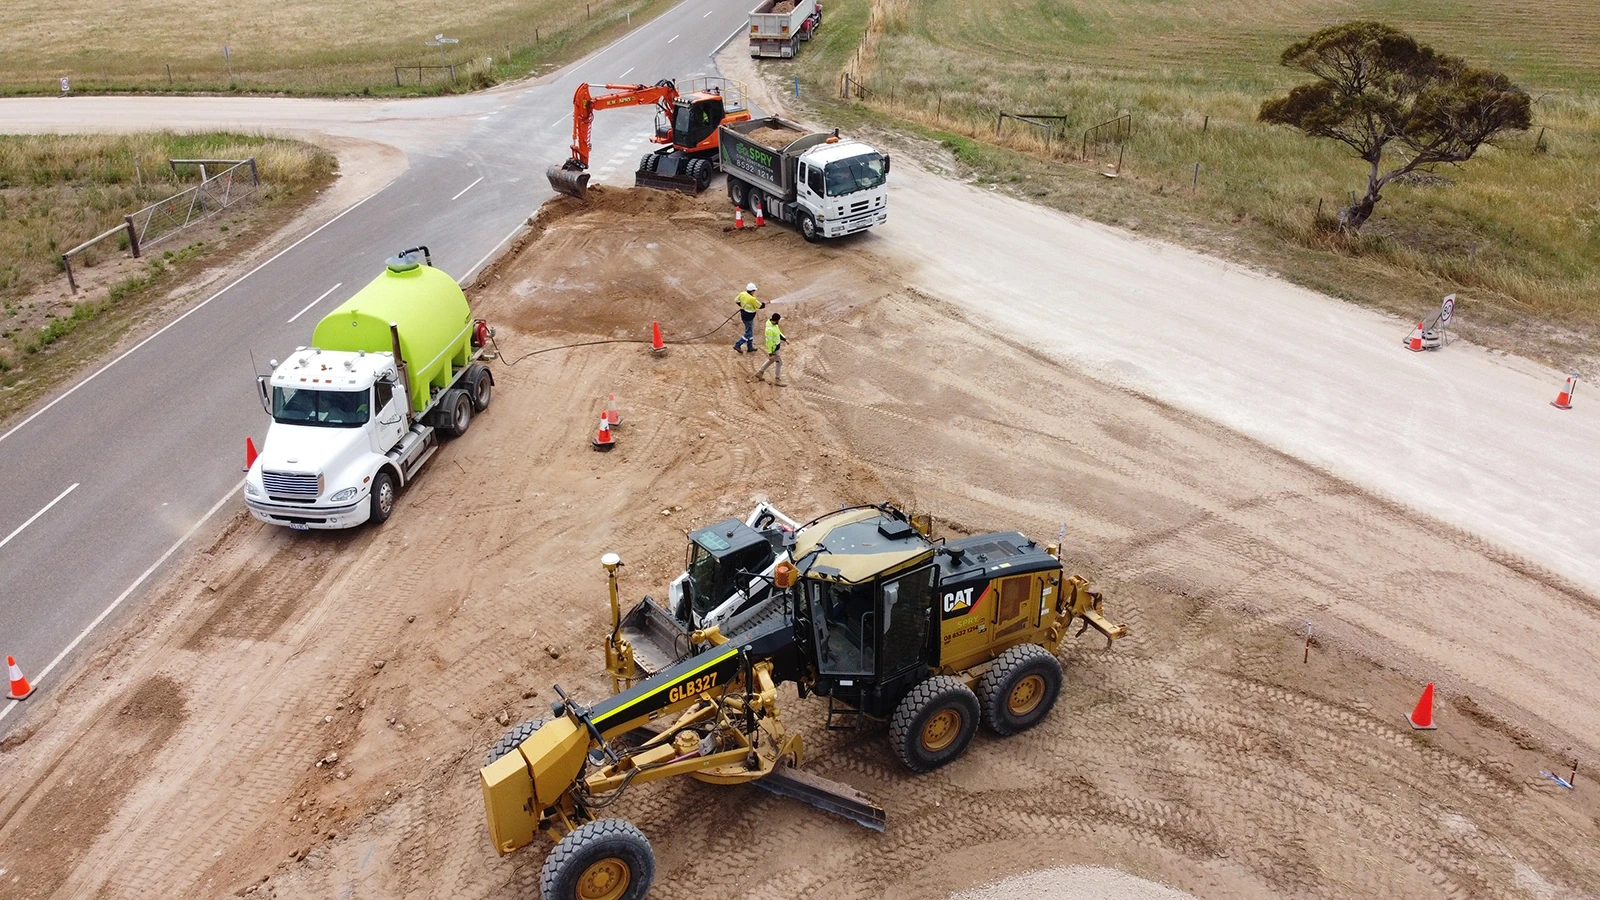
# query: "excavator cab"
694,122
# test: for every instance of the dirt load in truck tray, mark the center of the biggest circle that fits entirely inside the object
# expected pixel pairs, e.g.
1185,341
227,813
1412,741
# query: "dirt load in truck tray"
787,6
776,138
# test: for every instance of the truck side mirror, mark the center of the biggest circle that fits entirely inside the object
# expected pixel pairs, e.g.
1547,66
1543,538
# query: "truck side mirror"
265,392
886,164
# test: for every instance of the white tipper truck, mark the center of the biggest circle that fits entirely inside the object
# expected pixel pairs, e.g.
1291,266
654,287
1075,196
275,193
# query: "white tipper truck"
778,26
826,185
355,415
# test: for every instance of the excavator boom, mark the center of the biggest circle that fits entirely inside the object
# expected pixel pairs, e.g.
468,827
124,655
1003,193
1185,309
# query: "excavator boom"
572,177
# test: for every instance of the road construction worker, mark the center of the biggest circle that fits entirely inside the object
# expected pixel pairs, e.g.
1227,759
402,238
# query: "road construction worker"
748,304
775,341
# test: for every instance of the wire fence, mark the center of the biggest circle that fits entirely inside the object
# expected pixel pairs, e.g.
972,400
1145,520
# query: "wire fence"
237,180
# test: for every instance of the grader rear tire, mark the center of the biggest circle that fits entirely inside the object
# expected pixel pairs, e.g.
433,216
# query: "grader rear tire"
607,859
934,723
1020,689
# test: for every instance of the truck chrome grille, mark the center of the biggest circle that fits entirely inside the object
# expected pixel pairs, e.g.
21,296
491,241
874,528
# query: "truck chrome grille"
292,485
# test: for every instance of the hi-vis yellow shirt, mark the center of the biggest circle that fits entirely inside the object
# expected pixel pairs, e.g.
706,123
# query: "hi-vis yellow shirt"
748,302
774,335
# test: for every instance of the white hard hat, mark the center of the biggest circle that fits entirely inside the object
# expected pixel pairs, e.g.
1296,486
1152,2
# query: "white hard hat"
751,287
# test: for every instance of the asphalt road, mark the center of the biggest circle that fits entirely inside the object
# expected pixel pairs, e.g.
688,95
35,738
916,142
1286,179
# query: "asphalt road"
101,485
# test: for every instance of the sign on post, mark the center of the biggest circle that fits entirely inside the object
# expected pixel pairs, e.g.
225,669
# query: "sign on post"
66,84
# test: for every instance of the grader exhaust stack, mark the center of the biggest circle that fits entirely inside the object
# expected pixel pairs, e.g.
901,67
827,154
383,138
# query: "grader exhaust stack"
568,179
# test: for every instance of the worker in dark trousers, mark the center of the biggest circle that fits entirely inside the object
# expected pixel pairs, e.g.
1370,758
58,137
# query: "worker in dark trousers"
748,304
775,341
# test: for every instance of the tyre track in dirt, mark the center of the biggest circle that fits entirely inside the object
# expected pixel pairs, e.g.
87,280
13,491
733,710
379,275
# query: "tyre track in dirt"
1200,751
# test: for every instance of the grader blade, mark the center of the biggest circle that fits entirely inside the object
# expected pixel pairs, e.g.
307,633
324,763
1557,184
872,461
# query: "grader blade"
825,794
572,182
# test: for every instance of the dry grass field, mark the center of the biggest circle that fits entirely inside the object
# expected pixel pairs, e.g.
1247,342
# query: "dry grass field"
59,190
292,46
1516,230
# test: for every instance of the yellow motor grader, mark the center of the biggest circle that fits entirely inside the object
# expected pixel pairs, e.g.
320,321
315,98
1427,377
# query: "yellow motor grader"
888,623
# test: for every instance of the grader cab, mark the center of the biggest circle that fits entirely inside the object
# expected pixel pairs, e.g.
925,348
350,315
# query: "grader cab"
890,624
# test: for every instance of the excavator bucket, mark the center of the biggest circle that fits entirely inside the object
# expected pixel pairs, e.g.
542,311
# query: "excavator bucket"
572,182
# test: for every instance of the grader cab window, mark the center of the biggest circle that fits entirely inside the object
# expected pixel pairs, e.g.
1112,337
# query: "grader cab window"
843,618
851,621
907,607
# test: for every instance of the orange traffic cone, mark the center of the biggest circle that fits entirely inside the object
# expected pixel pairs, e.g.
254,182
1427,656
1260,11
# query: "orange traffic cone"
761,215
602,438
1564,399
738,217
1414,343
656,344
249,453
1421,718
613,418
20,689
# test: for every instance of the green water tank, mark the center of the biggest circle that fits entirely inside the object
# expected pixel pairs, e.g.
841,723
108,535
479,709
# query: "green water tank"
431,312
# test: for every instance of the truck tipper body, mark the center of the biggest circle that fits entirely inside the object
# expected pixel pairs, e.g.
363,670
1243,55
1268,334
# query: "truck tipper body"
825,185
357,414
778,26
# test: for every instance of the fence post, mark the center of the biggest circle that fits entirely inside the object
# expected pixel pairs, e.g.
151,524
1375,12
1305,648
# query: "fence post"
1206,125
255,177
396,76
997,120
1195,185
71,282
133,236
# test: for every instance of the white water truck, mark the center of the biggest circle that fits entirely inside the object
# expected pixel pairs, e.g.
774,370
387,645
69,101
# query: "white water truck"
357,414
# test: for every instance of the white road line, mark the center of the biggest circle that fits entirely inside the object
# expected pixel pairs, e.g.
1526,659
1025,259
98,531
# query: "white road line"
41,512
125,594
673,38
707,13
558,121
69,392
625,74
467,188
314,302
463,280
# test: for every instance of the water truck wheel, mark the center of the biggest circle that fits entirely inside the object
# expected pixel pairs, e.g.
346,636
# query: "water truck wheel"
480,384
572,182
457,412
608,859
382,499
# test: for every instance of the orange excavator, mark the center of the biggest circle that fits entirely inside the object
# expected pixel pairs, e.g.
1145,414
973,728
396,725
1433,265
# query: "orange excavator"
686,126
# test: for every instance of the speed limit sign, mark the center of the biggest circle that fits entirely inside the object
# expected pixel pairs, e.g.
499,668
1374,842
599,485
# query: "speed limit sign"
66,84
1447,310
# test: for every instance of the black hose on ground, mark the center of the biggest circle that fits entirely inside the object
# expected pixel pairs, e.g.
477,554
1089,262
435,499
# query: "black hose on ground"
697,338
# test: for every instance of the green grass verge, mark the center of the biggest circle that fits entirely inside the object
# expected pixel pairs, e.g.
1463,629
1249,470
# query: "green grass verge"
58,190
1516,231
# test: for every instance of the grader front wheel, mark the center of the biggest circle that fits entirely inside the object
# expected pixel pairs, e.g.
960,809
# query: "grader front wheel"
607,859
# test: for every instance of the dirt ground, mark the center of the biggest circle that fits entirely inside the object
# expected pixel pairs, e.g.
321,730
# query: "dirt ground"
302,715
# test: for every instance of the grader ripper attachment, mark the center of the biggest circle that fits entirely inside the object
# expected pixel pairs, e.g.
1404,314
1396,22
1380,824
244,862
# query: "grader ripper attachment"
867,609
